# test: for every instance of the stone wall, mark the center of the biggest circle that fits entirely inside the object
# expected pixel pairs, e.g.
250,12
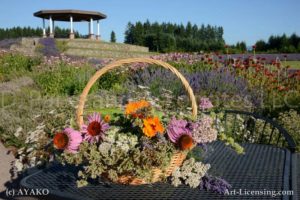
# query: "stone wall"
26,45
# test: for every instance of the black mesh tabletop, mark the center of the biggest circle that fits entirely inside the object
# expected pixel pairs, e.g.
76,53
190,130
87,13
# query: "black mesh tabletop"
296,176
262,168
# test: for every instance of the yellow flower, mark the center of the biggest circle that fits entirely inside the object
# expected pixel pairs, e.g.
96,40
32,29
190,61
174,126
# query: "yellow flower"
152,126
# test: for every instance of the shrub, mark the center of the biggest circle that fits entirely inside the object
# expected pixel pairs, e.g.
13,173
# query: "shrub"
28,121
15,65
61,45
290,121
64,80
113,80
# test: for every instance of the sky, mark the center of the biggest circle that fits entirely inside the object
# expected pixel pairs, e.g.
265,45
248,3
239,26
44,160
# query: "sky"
242,20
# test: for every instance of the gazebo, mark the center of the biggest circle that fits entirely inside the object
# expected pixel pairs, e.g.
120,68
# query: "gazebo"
71,16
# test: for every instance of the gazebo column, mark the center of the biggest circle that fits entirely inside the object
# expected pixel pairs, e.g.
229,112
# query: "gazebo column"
51,27
72,36
91,32
98,30
44,29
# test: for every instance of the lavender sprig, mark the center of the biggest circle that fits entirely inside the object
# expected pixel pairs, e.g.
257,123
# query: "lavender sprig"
214,184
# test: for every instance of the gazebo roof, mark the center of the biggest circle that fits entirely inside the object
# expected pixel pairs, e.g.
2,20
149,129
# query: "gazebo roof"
64,15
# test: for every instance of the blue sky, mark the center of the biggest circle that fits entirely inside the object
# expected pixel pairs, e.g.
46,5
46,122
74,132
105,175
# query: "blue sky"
242,20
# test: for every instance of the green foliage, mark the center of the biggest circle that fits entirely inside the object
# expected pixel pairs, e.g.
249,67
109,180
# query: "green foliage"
10,140
61,45
261,46
196,153
161,42
167,37
113,37
20,32
16,65
113,81
277,102
279,44
106,111
293,64
241,46
290,121
230,142
16,32
64,80
28,109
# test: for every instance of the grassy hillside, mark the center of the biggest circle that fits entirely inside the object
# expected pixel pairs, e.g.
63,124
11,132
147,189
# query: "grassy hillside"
99,49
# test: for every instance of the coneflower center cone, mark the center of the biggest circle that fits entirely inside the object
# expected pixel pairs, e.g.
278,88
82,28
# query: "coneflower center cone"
60,140
94,128
185,142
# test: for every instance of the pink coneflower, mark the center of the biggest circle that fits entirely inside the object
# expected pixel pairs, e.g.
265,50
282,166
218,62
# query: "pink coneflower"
68,140
180,132
95,129
205,103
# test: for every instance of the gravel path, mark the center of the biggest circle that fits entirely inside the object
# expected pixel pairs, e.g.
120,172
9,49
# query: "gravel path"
15,85
5,166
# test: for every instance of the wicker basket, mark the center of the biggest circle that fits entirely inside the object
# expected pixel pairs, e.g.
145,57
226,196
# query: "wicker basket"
178,157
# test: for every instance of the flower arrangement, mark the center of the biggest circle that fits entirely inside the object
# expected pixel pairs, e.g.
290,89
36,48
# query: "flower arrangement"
134,145
138,145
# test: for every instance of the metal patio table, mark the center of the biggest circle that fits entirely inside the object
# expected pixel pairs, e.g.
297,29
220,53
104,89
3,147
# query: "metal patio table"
263,167
269,164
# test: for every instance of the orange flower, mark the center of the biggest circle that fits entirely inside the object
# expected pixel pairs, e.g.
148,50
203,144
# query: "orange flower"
107,118
152,126
133,107
185,142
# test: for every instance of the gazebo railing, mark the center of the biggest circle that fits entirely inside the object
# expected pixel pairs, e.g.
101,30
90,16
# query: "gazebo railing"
254,128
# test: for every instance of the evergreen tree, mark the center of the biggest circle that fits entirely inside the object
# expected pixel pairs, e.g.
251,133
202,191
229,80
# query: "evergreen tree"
279,44
16,32
113,37
167,37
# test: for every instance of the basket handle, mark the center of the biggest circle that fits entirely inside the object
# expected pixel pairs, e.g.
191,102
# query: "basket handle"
100,72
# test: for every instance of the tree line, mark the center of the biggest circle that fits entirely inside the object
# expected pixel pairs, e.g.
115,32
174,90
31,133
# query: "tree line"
16,32
282,44
167,37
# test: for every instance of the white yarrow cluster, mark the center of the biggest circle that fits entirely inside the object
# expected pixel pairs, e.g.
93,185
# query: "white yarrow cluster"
190,173
113,139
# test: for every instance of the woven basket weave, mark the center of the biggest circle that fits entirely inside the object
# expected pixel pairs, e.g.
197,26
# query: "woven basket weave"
178,157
